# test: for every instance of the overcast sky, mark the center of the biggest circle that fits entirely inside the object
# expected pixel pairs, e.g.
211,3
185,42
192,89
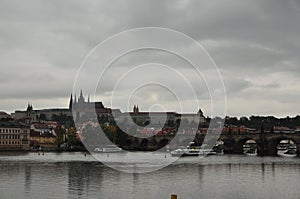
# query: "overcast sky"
255,44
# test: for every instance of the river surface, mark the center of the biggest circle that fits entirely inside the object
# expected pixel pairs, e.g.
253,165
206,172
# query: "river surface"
74,175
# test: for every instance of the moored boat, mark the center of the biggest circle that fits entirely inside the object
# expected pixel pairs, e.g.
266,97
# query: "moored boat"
250,151
192,151
219,147
286,149
250,148
186,152
108,149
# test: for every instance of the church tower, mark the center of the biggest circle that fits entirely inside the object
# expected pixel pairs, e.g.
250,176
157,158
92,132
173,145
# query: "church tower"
135,108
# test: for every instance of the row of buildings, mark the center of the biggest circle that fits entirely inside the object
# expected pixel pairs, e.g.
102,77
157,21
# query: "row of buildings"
16,135
32,128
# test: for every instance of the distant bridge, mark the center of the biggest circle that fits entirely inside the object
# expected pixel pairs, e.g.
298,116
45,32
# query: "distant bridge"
233,143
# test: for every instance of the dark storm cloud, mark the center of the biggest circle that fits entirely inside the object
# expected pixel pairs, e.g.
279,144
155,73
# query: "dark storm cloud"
256,45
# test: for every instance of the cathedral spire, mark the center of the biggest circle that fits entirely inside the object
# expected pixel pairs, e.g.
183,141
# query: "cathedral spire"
71,102
81,98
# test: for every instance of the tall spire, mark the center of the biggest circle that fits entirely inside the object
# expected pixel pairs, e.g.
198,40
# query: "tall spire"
71,102
88,98
81,98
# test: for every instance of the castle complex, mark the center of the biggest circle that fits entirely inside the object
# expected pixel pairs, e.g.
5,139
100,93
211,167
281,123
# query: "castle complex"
81,110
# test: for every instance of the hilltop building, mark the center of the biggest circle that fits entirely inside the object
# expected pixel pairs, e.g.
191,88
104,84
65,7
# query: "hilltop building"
4,115
84,110
30,115
160,118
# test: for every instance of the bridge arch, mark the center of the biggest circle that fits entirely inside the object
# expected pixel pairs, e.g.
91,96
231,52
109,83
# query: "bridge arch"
144,143
229,144
273,143
162,143
240,143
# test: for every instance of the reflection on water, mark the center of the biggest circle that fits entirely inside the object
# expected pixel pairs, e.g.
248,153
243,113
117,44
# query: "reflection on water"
27,178
215,177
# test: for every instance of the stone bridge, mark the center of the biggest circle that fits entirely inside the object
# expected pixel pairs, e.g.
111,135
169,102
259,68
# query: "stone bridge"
233,143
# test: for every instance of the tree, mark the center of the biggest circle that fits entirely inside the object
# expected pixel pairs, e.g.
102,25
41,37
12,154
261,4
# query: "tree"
60,135
71,137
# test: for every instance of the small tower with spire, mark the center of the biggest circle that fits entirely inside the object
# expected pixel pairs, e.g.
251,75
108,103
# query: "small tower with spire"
135,108
200,112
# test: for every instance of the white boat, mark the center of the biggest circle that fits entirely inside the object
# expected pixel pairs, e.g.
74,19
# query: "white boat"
192,151
186,152
250,151
219,147
287,149
108,149
250,148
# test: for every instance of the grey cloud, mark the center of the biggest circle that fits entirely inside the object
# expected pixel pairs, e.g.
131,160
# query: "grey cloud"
254,43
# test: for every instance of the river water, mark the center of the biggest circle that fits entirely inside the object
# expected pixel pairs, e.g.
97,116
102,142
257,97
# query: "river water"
74,175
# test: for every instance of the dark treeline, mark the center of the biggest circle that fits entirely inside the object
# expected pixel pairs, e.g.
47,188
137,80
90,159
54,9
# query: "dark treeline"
268,122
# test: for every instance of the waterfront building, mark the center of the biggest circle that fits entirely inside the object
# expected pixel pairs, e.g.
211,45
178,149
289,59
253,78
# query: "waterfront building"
45,141
43,136
14,136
